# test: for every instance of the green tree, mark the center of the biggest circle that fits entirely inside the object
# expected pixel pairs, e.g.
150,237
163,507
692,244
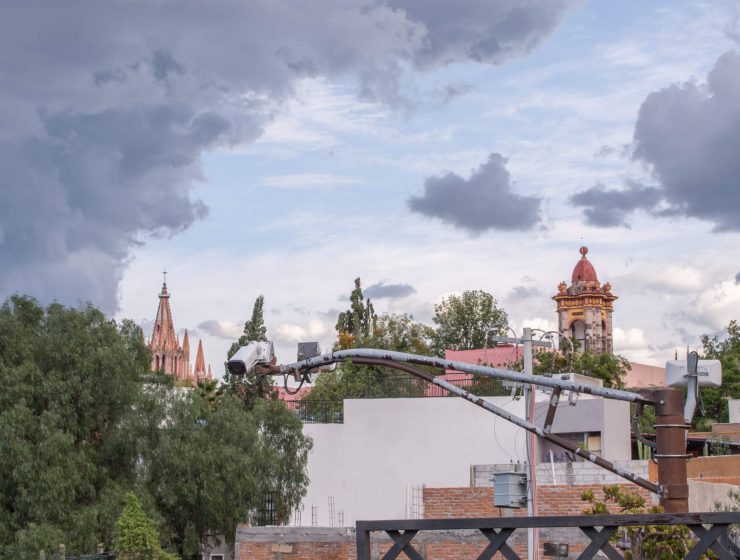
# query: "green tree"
254,327
726,349
731,503
282,458
610,368
246,387
666,542
462,321
357,322
70,378
136,535
78,432
209,391
399,333
207,467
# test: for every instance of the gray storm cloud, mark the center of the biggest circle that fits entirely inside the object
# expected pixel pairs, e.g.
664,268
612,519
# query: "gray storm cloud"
610,207
381,290
688,136
491,32
107,107
482,202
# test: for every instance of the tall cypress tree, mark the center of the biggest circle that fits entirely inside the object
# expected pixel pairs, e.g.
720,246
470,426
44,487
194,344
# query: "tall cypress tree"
358,321
244,386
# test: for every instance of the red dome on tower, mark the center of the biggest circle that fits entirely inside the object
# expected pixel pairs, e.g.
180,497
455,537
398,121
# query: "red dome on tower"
584,270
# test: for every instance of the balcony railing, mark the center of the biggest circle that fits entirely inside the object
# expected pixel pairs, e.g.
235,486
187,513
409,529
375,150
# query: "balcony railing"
709,531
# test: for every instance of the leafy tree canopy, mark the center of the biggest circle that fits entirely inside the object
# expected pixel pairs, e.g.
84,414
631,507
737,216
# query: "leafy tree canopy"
726,349
462,321
70,379
666,542
254,327
391,332
79,430
137,537
611,369
209,463
358,321
245,387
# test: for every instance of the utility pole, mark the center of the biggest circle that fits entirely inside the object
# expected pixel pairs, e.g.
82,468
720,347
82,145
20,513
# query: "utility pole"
670,439
533,545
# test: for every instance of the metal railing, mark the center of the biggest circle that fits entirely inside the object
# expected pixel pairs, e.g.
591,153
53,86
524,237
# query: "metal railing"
709,529
317,412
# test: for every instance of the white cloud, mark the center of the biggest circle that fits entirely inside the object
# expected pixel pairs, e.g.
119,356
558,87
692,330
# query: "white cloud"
716,306
629,339
221,329
540,323
672,278
291,332
627,53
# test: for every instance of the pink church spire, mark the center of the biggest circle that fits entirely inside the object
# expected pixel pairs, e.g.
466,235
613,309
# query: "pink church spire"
200,362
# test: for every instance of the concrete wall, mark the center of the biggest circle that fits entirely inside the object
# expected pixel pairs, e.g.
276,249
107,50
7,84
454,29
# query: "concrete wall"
386,447
610,418
616,444
734,405
703,495
581,472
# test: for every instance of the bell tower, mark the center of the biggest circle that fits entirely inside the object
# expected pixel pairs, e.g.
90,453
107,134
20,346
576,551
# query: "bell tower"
585,308
168,356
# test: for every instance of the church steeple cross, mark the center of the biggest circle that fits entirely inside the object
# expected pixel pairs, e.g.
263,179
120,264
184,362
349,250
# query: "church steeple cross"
164,272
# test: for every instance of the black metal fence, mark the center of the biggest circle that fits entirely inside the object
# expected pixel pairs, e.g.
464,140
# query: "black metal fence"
267,513
318,412
392,386
710,531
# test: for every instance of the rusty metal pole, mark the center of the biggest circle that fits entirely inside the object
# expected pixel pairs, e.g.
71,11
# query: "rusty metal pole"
670,452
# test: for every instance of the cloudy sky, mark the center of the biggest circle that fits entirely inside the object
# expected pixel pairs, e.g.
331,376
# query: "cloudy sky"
284,148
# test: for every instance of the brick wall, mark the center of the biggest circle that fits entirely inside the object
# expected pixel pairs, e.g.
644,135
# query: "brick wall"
443,503
320,543
299,543
295,543
478,502
298,551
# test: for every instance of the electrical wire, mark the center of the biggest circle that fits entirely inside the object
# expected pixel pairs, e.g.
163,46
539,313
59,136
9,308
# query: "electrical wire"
495,435
300,385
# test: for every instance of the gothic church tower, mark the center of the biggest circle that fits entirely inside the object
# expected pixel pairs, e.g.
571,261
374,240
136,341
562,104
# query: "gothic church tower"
168,356
585,308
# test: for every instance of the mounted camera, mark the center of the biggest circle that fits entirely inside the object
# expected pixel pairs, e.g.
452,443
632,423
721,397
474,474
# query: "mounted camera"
250,356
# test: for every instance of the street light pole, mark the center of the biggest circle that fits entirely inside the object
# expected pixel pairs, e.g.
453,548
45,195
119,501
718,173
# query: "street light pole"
533,544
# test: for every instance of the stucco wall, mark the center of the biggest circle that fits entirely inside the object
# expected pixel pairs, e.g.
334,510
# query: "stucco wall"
387,446
734,406
703,495
608,417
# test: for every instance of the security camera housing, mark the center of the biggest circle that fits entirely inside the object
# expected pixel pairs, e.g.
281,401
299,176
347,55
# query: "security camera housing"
247,357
